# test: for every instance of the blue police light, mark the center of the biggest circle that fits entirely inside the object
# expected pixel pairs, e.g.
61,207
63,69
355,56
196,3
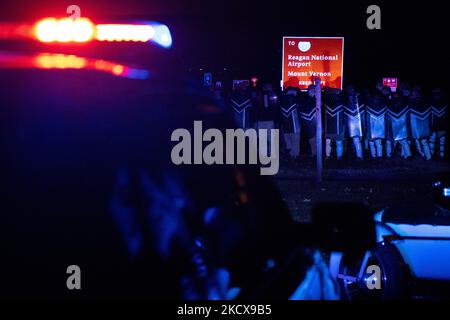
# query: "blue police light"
437,184
137,74
162,36
446,192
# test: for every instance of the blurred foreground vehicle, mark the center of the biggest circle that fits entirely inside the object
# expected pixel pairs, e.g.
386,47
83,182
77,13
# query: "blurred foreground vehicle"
413,253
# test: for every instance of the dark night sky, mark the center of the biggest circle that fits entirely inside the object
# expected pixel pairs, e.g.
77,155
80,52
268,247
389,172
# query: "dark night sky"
245,36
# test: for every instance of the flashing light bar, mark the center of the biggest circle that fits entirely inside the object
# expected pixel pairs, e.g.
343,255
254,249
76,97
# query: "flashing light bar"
65,61
80,30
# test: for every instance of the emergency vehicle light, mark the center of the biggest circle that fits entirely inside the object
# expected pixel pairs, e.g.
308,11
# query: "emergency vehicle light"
63,61
69,61
124,32
83,30
446,192
64,30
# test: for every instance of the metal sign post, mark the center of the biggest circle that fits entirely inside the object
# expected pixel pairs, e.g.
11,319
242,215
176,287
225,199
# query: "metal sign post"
319,161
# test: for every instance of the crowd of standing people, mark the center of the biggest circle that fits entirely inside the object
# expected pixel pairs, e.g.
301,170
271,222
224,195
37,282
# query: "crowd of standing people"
374,123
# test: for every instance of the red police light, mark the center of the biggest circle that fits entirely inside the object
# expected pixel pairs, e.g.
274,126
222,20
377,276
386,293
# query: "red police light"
59,61
69,61
64,30
83,30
